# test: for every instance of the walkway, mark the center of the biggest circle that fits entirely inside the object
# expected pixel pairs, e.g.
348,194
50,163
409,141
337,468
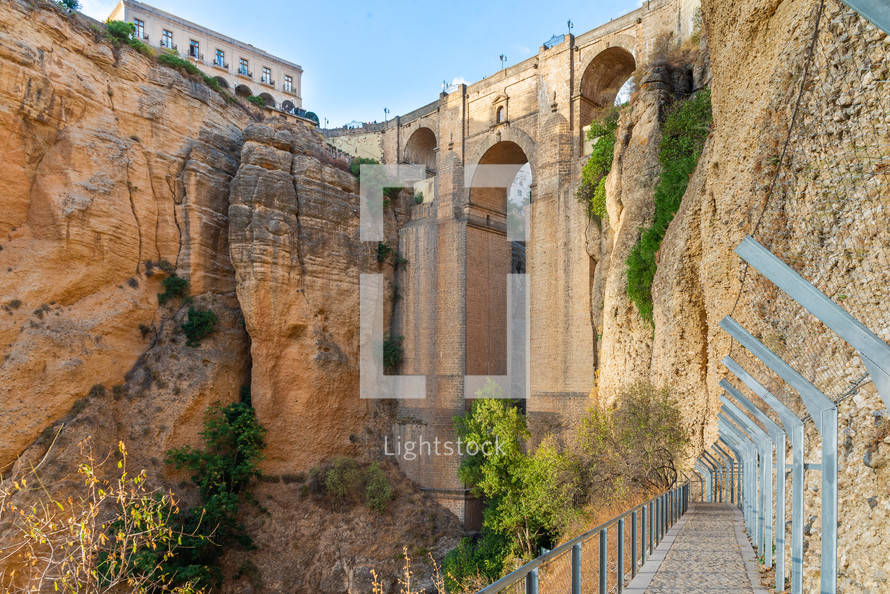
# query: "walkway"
706,551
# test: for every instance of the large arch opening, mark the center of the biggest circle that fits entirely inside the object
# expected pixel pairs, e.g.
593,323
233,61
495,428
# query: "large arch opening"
288,106
602,80
243,91
268,99
421,149
492,253
223,83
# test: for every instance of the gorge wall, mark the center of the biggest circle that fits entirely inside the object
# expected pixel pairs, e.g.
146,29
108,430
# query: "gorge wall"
113,164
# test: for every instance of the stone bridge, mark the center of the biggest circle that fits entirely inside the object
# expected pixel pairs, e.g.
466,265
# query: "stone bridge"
452,314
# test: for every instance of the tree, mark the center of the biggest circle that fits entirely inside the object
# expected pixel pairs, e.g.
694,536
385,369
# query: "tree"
528,498
105,536
70,4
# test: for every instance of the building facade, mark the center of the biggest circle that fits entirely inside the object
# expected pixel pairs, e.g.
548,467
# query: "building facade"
239,67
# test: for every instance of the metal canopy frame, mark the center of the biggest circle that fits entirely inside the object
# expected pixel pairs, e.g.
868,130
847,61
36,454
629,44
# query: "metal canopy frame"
747,447
874,352
778,437
794,427
720,474
728,461
764,526
740,468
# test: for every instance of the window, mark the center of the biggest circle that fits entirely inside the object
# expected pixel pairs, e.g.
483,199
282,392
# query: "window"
243,68
195,50
140,29
288,83
500,114
167,41
267,75
220,59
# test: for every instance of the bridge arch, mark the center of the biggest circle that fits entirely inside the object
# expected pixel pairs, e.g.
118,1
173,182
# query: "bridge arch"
603,78
492,256
421,148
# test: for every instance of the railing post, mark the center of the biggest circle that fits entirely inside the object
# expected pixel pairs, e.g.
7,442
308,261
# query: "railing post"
576,569
651,526
643,534
634,529
620,555
531,582
604,562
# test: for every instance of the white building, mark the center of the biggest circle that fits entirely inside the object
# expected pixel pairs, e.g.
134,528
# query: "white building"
239,67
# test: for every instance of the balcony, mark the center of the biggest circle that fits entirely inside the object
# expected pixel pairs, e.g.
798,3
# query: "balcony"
220,64
195,55
268,81
143,37
245,72
289,90
168,44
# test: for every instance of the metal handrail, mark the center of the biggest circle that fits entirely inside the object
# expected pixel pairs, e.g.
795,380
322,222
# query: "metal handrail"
669,507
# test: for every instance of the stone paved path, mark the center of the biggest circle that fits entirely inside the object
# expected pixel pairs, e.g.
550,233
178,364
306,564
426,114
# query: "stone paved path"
706,551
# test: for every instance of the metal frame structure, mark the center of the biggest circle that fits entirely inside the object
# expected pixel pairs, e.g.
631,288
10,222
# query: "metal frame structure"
646,527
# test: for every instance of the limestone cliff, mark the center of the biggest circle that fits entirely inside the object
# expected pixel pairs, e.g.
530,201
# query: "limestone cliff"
109,161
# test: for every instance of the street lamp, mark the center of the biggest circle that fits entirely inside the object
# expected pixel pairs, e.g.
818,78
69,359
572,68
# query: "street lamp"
503,59
385,113
571,26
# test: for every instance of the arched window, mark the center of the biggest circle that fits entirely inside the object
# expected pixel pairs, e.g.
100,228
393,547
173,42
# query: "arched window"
499,118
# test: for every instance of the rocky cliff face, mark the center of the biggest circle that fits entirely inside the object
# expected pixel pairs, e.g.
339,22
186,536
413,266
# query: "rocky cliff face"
297,256
821,218
109,162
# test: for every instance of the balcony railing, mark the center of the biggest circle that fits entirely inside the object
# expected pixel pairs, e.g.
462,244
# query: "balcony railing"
143,37
245,72
168,44
268,81
219,63
196,55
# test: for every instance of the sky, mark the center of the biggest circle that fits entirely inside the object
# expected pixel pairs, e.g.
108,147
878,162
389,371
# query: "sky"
361,57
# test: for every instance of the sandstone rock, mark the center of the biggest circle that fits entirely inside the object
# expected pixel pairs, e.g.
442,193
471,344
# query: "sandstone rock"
109,161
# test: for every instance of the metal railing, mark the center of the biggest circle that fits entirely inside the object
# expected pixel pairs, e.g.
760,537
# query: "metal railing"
220,63
168,44
196,55
267,81
245,72
649,522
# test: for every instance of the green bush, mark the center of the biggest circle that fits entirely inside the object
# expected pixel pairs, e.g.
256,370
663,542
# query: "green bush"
223,471
356,164
201,324
592,191
175,287
70,4
257,100
685,130
377,489
342,478
383,251
121,32
392,352
418,198
483,556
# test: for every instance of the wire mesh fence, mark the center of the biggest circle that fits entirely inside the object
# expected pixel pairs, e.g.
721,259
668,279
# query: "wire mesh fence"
826,208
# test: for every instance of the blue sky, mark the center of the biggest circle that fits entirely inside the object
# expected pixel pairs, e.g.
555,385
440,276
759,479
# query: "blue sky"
360,57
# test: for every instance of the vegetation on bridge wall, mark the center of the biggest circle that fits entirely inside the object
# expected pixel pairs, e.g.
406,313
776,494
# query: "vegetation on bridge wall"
684,133
592,191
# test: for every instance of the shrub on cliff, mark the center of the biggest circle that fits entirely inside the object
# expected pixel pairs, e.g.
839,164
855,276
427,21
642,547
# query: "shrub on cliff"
223,472
201,324
120,32
684,133
175,287
257,100
377,489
